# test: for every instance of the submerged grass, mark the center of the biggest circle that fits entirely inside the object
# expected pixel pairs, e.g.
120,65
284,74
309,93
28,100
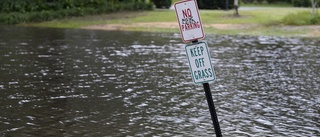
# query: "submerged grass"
260,21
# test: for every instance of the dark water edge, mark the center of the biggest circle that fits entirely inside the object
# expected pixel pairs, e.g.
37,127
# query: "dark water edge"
72,82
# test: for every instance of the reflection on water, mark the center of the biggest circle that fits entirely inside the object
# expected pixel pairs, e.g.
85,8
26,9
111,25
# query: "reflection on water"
61,82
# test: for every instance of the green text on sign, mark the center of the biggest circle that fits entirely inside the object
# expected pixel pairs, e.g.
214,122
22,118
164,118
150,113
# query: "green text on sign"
200,63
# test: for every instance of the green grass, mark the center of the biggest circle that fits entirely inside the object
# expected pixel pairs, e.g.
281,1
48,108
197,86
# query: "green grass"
37,12
78,22
302,18
277,4
265,16
266,21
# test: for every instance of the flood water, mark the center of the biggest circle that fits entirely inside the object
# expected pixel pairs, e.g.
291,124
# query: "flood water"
71,82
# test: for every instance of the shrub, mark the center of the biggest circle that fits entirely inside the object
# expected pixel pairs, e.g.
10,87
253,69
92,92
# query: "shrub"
162,3
269,1
301,18
315,20
215,4
223,5
23,6
265,2
207,4
51,10
301,3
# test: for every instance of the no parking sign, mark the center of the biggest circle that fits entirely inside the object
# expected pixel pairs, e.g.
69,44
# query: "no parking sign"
189,20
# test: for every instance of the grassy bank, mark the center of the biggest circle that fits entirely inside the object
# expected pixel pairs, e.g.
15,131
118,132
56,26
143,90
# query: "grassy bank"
253,21
26,11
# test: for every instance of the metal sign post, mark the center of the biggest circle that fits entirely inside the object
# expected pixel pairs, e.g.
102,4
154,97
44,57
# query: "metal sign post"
211,106
198,54
212,109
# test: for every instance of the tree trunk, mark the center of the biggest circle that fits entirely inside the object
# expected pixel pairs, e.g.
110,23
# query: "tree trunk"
236,6
314,7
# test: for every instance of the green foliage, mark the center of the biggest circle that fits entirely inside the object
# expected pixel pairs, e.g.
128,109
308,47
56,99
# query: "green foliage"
273,3
23,11
301,18
301,3
266,1
222,4
215,4
162,3
23,6
207,4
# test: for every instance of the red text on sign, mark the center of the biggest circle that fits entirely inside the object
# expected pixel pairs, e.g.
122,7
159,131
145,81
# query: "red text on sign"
186,13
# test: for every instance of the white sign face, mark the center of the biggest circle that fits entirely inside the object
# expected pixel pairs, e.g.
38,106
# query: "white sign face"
189,20
200,63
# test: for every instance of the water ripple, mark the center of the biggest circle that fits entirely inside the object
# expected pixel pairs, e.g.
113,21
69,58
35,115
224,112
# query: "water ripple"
100,83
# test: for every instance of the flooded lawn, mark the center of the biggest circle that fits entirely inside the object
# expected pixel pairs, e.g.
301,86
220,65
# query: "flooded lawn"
71,82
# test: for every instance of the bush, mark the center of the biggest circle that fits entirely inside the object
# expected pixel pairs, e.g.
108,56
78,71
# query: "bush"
48,11
215,4
162,3
223,5
301,18
301,3
264,1
207,4
24,6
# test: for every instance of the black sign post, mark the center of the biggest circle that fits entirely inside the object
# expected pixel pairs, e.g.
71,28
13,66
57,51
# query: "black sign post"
211,106
212,109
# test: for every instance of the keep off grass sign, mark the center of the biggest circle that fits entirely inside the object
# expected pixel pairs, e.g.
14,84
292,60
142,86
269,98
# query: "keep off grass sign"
189,20
198,54
200,64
